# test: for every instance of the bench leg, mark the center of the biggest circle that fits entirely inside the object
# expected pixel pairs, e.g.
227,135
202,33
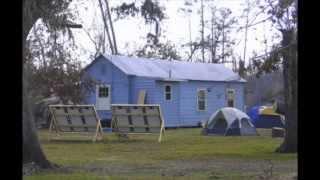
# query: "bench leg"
161,132
115,129
95,135
99,133
159,140
50,132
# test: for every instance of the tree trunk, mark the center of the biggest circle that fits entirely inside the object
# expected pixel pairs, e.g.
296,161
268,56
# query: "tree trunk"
202,31
190,37
222,53
241,69
290,73
213,53
32,151
245,38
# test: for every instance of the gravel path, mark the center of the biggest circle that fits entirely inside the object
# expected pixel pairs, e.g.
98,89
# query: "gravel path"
256,168
187,167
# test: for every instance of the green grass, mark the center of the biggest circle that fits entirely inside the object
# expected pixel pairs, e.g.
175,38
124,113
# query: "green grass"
142,156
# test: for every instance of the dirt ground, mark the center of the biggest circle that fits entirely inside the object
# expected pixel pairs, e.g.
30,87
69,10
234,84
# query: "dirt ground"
216,167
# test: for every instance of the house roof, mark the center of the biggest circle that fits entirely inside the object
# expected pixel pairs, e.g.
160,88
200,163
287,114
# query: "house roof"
180,70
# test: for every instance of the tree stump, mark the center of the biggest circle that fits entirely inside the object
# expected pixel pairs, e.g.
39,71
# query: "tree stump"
277,132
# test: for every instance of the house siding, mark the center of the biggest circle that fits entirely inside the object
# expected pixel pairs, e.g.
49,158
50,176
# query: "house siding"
141,83
170,108
215,99
105,72
155,95
181,110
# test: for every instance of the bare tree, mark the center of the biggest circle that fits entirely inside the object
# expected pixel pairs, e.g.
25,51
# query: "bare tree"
247,11
202,31
214,37
187,11
224,23
251,13
98,42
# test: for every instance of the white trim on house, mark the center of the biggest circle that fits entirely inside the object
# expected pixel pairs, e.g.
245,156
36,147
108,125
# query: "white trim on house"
165,93
234,96
205,99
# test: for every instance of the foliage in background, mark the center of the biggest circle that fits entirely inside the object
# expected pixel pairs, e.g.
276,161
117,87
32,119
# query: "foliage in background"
53,69
216,45
153,14
165,51
271,62
283,14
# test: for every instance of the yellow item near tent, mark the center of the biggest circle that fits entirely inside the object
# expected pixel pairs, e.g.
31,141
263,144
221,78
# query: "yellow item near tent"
268,110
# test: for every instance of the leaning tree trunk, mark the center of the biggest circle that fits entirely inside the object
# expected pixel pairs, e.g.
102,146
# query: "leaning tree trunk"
290,73
32,151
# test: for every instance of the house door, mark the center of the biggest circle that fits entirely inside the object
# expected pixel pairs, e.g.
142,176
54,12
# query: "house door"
230,97
103,97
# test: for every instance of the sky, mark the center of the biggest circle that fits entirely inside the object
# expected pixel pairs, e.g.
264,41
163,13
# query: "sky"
130,33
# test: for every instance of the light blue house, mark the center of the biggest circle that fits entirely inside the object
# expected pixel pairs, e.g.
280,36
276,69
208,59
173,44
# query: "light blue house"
187,92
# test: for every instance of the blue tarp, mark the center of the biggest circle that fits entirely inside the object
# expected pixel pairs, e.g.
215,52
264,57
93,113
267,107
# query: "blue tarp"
253,113
263,121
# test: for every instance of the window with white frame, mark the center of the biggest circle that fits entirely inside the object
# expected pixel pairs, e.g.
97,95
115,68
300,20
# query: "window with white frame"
167,92
201,96
230,97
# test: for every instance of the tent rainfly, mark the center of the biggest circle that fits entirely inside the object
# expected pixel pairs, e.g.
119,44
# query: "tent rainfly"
229,121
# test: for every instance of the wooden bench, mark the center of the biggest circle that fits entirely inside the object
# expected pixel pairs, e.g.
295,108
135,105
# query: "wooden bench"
76,119
137,119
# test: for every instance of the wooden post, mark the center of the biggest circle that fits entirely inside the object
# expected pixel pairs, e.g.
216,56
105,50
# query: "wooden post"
50,130
96,134
99,127
162,125
52,124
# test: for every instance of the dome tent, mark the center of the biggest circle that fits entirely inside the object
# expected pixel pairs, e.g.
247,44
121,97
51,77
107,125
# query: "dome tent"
229,121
